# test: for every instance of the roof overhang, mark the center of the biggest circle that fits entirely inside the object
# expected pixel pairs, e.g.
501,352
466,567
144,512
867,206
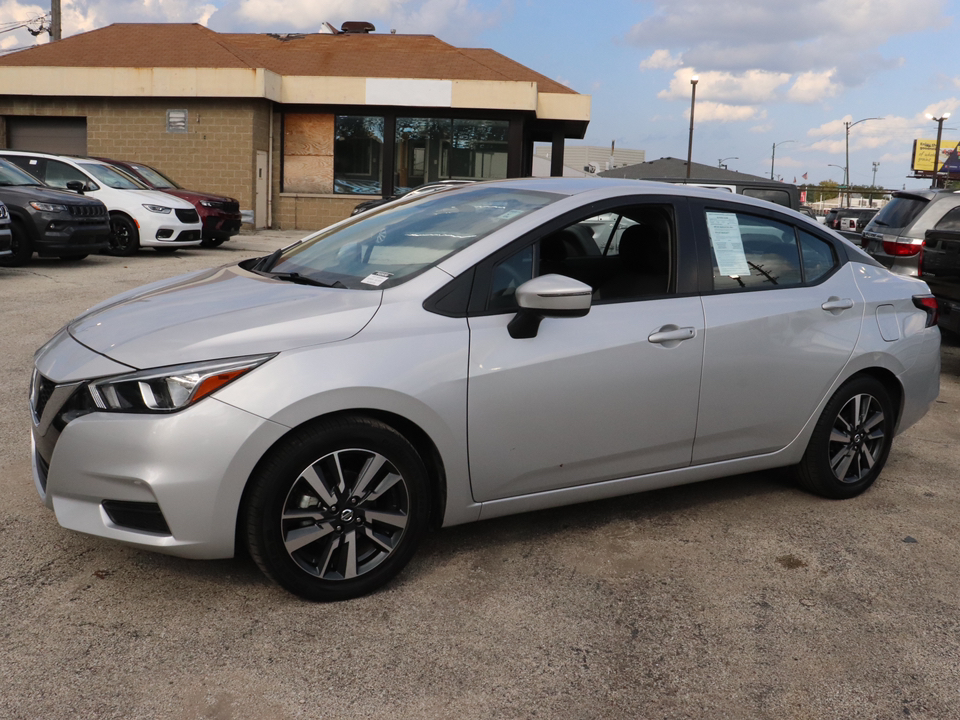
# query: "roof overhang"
567,109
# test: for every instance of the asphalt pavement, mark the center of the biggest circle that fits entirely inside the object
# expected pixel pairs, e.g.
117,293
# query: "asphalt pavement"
737,598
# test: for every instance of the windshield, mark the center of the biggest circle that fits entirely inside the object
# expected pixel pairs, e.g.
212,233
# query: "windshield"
900,212
154,177
111,177
383,248
10,174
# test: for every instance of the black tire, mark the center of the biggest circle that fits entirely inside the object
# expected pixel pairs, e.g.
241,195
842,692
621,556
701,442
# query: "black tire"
21,246
333,540
79,256
850,442
124,237
212,242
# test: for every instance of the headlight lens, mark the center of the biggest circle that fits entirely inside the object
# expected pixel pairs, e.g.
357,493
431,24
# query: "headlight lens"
3,210
158,209
168,389
210,203
48,207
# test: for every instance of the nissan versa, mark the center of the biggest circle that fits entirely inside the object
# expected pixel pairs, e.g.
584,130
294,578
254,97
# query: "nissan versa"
489,350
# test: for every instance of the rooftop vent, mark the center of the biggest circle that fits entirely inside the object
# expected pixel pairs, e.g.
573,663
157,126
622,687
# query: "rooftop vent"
357,27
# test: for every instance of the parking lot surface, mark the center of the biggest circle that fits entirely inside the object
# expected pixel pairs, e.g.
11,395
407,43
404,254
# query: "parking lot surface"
735,598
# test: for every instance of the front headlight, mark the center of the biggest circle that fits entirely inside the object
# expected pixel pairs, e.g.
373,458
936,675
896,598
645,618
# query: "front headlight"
211,203
48,207
158,209
3,210
168,389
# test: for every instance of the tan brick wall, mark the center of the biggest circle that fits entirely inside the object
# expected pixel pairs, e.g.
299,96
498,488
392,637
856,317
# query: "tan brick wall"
303,212
217,154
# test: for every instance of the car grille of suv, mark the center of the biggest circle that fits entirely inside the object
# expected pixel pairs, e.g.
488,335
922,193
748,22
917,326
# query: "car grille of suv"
188,216
231,206
87,210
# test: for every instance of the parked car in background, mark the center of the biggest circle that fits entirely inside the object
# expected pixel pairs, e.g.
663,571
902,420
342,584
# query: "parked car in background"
6,238
219,214
313,403
139,217
850,222
425,189
916,234
52,223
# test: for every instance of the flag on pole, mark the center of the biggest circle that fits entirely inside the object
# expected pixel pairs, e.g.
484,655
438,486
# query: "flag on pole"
805,176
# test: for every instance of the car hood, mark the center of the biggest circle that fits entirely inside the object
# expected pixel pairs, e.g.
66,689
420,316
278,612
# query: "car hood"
195,196
158,197
22,194
220,313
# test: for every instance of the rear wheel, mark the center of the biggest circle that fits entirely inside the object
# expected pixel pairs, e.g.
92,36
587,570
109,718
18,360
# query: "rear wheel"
337,509
124,236
851,441
20,246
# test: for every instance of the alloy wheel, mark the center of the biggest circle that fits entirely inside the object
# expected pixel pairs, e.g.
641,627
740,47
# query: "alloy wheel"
857,438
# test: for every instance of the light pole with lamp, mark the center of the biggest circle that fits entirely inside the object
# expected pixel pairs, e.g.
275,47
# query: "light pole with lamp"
693,102
936,153
847,124
773,155
720,162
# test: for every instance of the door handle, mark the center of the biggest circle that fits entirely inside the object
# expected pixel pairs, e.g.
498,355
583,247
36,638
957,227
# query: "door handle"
671,333
835,304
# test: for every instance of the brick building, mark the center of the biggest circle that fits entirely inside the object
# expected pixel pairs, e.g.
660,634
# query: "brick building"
298,127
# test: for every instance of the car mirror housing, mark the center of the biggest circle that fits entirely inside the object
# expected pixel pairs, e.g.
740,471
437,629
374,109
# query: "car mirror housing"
76,186
548,296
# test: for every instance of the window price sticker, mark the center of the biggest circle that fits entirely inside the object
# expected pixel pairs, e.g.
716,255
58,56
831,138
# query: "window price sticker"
377,278
727,244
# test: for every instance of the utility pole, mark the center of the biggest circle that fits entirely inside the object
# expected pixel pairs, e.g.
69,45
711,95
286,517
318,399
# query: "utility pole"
846,172
55,33
693,102
875,166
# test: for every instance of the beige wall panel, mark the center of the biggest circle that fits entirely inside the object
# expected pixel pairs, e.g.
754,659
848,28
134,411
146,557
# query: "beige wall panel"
308,174
311,213
562,106
494,95
303,89
308,134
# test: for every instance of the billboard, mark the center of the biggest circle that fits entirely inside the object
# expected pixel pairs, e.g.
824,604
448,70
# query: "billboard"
923,151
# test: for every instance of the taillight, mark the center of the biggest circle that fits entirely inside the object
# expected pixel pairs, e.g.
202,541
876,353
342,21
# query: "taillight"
900,249
929,304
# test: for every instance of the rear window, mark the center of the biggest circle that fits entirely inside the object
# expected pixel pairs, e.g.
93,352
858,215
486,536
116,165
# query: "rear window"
900,212
779,197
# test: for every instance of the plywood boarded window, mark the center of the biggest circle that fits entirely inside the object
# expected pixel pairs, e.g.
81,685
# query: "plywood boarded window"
308,153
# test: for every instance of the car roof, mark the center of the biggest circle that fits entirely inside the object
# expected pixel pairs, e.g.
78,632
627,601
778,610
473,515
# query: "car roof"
79,159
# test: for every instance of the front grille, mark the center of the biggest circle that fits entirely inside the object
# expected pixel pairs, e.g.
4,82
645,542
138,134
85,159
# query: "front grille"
142,516
42,392
231,206
188,236
188,216
87,210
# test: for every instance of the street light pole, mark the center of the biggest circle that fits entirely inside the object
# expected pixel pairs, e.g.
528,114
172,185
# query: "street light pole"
846,173
693,102
720,162
773,155
840,196
936,153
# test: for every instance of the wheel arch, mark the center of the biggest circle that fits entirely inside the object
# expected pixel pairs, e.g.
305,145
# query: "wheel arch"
422,442
890,382
24,221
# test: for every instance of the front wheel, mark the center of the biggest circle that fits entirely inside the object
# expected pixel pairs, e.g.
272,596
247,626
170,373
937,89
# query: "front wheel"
850,442
124,236
337,509
21,247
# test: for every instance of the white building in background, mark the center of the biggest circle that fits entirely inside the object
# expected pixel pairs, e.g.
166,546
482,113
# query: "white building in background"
595,157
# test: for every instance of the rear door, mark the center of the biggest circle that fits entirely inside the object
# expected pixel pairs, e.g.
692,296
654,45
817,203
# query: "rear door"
782,316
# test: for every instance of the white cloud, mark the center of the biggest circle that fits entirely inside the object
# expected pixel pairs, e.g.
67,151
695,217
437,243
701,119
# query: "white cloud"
760,129
797,38
709,111
752,86
892,130
811,87
660,60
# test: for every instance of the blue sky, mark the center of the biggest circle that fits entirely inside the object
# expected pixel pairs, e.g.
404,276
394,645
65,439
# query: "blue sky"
770,71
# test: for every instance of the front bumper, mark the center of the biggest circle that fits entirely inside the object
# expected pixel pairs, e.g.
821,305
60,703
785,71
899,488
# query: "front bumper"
191,466
58,236
165,230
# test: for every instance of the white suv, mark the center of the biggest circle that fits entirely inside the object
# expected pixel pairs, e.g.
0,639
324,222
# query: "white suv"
138,216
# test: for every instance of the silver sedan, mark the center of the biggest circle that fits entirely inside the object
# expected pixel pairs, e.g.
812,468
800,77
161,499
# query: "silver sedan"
489,350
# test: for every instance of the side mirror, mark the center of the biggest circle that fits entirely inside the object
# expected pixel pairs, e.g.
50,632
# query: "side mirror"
76,186
548,296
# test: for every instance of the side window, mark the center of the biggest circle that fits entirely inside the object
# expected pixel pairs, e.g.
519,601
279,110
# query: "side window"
625,254
59,174
819,257
751,252
34,166
950,222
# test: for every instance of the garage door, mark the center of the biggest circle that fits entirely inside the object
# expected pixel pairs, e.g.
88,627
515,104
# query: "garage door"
58,135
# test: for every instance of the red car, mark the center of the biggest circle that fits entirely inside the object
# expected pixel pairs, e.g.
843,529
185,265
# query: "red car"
220,215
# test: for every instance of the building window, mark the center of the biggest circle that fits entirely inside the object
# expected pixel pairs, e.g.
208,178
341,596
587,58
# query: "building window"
358,155
177,121
431,149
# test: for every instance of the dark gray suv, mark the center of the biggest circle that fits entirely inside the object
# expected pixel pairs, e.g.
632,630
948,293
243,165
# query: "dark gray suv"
50,222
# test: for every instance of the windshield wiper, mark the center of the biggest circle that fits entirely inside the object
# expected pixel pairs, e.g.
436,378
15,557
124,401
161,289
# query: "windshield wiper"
304,280
267,261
